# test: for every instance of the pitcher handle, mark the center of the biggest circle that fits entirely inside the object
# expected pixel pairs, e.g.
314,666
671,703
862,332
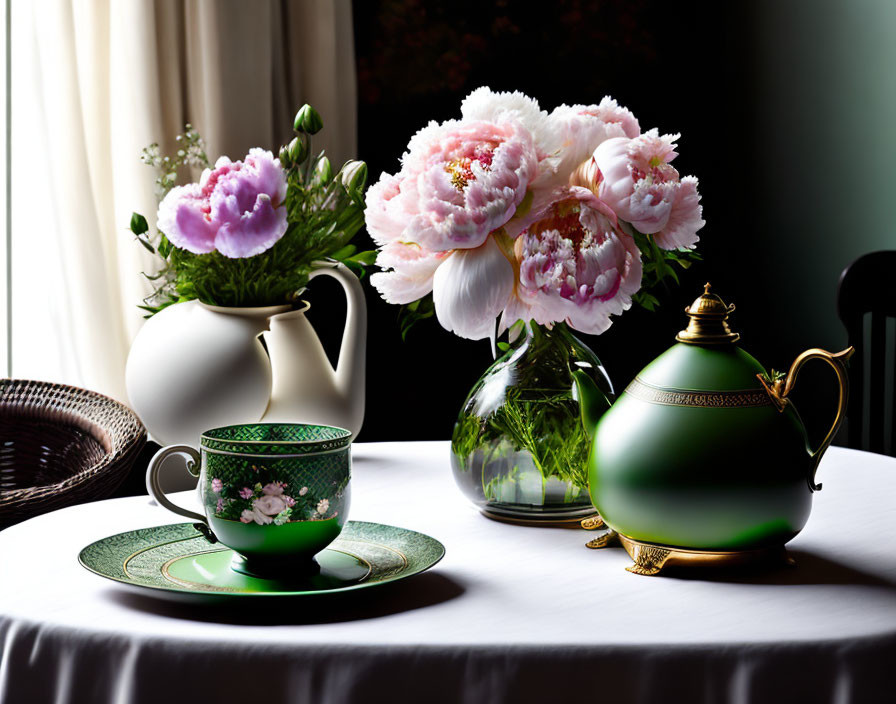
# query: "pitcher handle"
350,369
154,488
780,390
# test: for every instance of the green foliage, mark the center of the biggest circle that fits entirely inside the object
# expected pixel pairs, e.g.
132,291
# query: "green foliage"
324,212
139,227
773,376
468,434
538,414
412,313
550,431
659,266
138,224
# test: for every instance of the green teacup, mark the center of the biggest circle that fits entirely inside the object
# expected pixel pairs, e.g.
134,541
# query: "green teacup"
275,493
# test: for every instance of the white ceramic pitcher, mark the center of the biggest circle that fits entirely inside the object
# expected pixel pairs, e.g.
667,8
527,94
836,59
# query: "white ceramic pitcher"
306,389
193,367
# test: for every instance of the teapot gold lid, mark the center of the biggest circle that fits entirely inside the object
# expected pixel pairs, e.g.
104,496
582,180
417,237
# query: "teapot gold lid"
709,321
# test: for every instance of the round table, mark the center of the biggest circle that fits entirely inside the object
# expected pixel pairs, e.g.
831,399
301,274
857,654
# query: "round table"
512,613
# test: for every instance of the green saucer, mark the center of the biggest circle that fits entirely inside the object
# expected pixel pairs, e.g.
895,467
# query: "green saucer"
176,561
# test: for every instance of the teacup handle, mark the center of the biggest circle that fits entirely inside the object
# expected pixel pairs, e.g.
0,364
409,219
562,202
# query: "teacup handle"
155,488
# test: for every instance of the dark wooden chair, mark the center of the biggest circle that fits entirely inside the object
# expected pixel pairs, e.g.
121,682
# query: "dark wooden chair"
868,286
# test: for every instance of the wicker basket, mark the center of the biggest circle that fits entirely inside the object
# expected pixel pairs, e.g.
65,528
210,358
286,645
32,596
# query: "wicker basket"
61,445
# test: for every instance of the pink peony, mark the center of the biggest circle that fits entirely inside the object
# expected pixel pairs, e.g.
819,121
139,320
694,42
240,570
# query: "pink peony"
566,139
273,489
411,270
236,208
217,485
489,106
289,501
640,184
472,286
246,493
515,212
220,505
620,121
438,220
469,286
446,222
575,264
269,505
458,182
303,491
575,132
263,510
323,506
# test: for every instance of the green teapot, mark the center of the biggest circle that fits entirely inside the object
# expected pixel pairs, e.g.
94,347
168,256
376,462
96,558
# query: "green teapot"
703,457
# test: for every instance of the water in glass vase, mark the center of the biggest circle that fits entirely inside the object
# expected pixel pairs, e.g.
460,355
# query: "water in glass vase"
519,448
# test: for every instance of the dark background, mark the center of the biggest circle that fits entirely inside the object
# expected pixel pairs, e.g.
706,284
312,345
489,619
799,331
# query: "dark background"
762,94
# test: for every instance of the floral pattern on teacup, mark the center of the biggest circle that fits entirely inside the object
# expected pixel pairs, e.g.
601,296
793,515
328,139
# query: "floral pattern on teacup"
272,502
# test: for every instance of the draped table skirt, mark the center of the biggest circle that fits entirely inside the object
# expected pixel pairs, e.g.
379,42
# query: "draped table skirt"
512,613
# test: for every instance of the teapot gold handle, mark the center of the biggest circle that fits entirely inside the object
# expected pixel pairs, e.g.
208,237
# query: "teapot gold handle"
780,389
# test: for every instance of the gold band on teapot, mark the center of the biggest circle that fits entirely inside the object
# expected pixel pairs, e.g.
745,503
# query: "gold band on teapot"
744,398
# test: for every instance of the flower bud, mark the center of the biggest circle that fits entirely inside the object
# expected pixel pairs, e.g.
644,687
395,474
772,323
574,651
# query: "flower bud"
354,175
308,120
323,170
298,150
285,161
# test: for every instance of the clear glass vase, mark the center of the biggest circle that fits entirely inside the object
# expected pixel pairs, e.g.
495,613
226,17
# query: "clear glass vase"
519,449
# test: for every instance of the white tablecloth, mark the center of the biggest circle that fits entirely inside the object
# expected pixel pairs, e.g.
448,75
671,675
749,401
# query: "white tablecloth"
511,614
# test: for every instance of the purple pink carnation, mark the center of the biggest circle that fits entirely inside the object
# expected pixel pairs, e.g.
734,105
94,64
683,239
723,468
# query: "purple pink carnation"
237,208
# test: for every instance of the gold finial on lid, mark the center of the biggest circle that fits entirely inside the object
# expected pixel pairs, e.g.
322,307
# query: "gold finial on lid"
709,321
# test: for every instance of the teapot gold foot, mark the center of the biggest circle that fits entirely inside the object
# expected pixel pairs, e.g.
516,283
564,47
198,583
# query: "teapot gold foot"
604,540
592,523
607,536
651,559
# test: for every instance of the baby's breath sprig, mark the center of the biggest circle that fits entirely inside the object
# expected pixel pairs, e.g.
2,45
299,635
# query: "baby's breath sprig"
190,152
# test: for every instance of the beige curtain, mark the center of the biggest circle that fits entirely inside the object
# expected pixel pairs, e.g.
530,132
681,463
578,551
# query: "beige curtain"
116,75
